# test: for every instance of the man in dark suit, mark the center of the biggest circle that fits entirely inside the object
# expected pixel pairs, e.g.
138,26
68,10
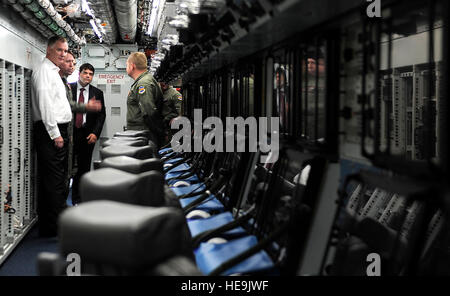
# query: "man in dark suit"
87,127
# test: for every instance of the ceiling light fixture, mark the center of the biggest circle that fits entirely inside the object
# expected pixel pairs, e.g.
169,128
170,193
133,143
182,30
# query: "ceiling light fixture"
153,16
86,9
94,27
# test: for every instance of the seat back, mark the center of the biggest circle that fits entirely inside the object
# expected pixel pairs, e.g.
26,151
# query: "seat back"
138,142
133,133
133,165
143,152
119,239
276,215
146,189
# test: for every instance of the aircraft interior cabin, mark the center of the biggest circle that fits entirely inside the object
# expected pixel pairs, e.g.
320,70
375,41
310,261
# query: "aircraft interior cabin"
224,138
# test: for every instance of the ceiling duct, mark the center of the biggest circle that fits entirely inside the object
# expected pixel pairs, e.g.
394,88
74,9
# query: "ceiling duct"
42,15
126,15
104,12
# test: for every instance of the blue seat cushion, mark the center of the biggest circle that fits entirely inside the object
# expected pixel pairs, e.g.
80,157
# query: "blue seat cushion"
208,205
180,168
172,160
209,256
174,175
188,189
165,156
198,226
191,179
165,150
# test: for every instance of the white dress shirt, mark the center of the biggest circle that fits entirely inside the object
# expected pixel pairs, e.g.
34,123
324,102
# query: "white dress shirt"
49,98
85,94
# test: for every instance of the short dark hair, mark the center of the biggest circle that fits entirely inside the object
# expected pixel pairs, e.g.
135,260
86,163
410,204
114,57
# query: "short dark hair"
87,66
55,39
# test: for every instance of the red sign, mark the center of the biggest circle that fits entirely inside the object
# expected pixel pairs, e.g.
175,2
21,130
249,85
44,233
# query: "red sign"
110,76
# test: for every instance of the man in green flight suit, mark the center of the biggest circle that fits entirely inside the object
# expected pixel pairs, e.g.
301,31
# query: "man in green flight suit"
145,105
172,96
172,99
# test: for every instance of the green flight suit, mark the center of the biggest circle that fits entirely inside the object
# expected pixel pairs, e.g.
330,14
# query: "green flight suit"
145,107
173,98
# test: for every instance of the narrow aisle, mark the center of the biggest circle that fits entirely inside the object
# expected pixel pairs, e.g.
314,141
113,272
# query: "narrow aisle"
23,260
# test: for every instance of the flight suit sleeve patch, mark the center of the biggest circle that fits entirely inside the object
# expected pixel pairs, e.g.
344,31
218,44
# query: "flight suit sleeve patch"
180,98
141,90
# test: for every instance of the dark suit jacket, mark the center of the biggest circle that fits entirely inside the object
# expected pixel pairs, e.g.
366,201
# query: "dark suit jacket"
94,120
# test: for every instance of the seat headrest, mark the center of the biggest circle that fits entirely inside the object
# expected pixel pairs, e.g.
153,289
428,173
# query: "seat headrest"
146,189
130,138
143,152
107,232
133,133
118,141
133,165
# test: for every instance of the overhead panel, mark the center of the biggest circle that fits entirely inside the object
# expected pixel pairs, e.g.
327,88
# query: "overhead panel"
96,52
98,64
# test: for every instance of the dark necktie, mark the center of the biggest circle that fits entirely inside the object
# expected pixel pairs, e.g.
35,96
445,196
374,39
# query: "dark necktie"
79,116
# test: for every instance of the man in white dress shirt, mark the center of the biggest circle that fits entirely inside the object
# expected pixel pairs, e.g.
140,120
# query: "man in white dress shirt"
51,116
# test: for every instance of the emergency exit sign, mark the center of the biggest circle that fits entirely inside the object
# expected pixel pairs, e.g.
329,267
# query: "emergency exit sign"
112,78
